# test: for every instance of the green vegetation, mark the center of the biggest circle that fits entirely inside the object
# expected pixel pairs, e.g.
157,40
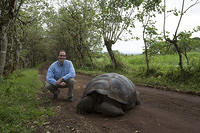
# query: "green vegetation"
164,71
19,104
32,32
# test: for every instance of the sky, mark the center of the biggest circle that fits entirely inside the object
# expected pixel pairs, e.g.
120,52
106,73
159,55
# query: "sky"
190,20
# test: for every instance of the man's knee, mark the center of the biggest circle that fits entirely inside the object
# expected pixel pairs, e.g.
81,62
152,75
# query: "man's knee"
71,81
49,86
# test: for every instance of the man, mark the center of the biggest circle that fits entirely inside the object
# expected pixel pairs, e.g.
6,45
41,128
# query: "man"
61,74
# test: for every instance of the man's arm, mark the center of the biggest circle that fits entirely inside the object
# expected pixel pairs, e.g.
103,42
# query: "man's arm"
71,73
50,76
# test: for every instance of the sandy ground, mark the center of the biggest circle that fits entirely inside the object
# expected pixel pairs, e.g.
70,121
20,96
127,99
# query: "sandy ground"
160,112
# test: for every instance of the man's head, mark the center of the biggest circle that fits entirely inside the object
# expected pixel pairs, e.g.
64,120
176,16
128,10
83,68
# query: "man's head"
61,56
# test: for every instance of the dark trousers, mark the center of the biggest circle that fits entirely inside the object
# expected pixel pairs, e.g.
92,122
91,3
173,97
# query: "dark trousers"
69,84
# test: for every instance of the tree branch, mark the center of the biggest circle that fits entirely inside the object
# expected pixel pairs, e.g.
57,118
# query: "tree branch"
197,2
164,23
175,35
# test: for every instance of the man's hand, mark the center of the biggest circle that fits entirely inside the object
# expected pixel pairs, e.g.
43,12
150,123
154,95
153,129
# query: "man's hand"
59,81
62,83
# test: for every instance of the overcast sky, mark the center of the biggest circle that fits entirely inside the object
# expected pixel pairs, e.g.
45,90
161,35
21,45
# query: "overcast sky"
190,20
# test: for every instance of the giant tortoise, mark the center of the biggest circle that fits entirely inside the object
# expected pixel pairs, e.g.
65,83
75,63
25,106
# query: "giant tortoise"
111,94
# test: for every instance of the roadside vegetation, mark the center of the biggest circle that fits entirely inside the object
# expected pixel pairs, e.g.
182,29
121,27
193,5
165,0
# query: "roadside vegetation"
164,71
20,108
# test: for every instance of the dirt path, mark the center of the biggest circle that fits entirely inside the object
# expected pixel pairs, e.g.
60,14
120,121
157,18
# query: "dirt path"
160,111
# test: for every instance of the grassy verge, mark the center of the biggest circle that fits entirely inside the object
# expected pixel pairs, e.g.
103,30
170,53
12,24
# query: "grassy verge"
19,104
164,71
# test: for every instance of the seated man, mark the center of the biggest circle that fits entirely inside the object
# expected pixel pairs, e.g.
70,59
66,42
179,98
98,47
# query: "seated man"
61,74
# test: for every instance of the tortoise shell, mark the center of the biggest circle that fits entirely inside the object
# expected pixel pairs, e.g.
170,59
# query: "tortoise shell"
115,86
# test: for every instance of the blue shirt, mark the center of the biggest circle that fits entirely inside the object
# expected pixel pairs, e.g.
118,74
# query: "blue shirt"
57,71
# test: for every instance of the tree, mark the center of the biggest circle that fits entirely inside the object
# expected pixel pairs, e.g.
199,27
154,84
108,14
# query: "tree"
185,43
174,40
74,29
145,16
116,16
9,12
196,44
19,19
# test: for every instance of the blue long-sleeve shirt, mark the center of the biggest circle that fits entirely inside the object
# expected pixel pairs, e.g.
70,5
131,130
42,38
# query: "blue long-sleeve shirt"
57,71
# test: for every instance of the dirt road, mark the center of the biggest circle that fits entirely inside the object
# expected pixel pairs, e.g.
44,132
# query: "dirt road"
160,112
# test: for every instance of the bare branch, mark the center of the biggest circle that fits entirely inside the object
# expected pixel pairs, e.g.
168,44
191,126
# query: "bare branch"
124,26
164,20
197,2
175,35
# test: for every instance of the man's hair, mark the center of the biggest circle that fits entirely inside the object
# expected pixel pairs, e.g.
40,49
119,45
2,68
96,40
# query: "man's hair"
61,51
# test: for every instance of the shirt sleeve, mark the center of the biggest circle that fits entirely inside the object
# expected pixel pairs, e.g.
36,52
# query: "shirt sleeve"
50,76
71,73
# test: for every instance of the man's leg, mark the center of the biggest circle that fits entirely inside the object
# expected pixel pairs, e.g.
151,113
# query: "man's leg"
70,85
53,89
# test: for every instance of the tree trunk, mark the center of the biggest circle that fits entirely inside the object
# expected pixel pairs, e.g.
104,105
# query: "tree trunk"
19,47
81,48
4,45
81,55
187,59
90,57
111,54
145,46
77,54
146,55
10,63
180,56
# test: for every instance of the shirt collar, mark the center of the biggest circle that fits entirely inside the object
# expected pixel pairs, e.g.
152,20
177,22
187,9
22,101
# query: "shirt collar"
60,64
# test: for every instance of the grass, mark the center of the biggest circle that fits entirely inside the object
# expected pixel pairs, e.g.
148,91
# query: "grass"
19,104
164,70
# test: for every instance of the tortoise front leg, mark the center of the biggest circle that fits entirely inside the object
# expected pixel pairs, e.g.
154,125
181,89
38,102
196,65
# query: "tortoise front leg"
86,105
138,101
109,109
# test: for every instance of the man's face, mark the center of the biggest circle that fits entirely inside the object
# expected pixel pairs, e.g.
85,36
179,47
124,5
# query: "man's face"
61,57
